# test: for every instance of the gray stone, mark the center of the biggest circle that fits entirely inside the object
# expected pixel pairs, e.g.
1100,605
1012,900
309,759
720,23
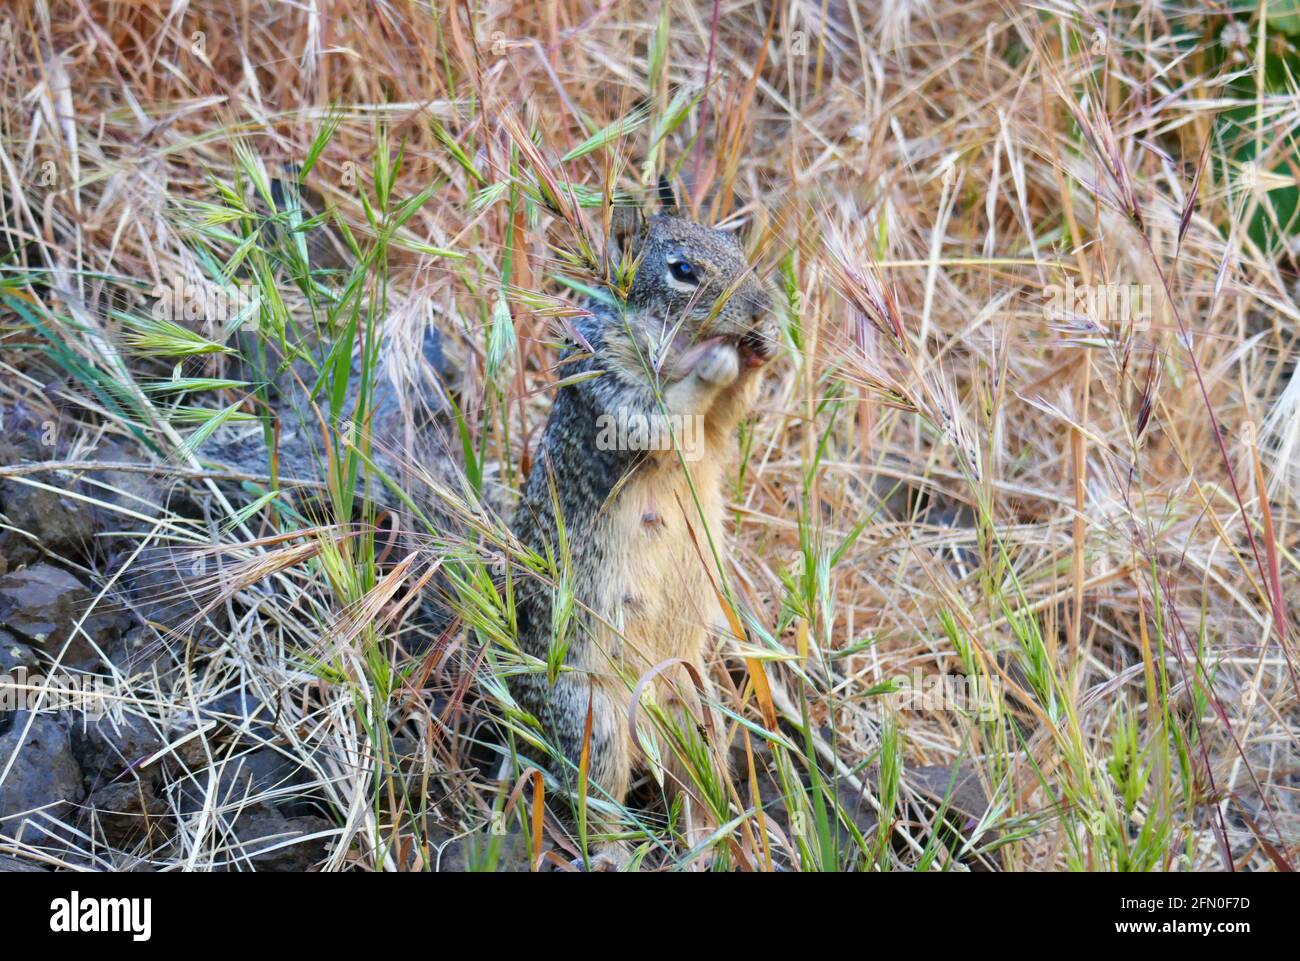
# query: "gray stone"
170,589
107,747
250,775
15,866
142,651
41,605
132,491
60,524
125,812
14,654
264,827
44,775
242,711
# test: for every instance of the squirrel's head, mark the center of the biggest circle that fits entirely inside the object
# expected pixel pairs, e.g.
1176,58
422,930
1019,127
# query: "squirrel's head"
693,282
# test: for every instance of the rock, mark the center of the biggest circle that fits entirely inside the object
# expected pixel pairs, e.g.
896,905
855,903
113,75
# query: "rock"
454,851
129,490
856,806
962,789
243,712
17,446
123,813
266,769
252,775
37,518
57,523
108,746
409,413
263,828
14,866
14,654
44,775
141,651
169,589
186,752
963,792
41,604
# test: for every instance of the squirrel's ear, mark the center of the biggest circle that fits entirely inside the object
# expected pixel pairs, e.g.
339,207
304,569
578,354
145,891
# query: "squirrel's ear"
627,226
667,196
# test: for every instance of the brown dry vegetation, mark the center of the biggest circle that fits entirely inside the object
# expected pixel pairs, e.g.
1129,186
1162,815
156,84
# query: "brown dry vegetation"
940,477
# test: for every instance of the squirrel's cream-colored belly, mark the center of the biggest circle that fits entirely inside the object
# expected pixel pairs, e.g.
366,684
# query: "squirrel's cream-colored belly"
657,596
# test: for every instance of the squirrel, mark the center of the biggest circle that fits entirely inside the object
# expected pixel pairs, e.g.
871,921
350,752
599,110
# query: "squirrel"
634,455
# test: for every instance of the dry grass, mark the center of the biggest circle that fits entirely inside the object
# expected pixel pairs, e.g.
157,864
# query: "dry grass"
939,478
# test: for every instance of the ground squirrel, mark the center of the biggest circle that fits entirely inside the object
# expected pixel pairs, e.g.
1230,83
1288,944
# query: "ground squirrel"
641,513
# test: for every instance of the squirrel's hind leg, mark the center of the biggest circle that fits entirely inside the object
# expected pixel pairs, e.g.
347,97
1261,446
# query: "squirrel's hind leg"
609,768
698,771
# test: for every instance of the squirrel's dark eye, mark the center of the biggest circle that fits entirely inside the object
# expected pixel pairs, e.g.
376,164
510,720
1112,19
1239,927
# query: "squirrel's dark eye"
682,270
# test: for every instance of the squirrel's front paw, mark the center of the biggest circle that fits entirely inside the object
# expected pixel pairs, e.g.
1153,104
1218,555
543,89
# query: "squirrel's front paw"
610,857
718,365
